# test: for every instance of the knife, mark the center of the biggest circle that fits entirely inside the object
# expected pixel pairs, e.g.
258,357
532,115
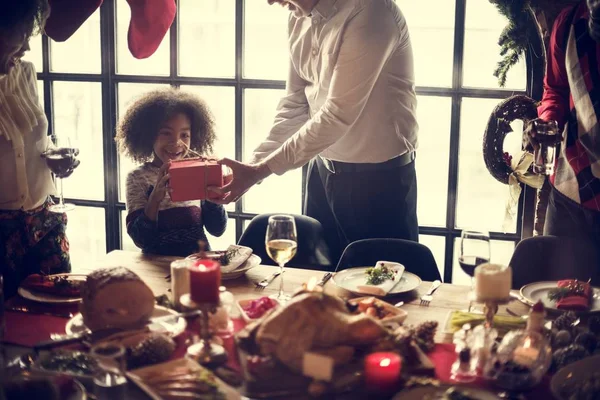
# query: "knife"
325,278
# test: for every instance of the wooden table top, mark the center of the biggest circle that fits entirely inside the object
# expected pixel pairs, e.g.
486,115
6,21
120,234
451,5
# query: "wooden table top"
154,269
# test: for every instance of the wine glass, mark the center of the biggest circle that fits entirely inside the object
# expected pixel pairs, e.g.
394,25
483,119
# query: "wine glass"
60,159
474,251
281,242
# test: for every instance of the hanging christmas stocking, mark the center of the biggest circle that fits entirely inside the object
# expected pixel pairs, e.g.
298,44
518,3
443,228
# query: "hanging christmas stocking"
66,16
150,21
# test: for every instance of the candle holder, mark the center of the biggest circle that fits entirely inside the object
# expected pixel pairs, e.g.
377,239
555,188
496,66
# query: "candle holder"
204,352
490,308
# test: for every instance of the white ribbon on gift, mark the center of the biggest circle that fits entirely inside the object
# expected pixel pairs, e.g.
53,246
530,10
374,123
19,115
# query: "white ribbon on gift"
520,174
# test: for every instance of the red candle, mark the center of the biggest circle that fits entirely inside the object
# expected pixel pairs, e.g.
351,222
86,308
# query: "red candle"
205,279
382,372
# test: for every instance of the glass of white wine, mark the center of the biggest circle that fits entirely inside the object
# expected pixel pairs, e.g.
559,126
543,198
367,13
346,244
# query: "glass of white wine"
281,241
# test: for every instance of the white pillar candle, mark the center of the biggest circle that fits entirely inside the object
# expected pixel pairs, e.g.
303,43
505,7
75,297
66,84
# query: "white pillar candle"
492,282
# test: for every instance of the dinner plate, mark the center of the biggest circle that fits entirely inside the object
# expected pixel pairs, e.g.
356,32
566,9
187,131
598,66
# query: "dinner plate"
172,327
436,392
42,297
351,278
237,266
572,375
539,291
251,262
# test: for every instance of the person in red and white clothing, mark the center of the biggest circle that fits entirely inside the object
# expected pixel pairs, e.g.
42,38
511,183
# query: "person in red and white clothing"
572,98
32,238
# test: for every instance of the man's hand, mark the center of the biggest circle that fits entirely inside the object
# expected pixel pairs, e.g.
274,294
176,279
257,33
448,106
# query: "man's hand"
531,141
243,178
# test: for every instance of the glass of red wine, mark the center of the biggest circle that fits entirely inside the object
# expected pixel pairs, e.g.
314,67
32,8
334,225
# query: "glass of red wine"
474,251
60,159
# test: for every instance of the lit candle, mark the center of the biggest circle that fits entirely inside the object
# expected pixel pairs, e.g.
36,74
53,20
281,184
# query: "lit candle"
526,355
382,372
205,279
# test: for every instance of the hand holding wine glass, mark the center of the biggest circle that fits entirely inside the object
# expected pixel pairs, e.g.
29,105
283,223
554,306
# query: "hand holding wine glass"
282,243
60,156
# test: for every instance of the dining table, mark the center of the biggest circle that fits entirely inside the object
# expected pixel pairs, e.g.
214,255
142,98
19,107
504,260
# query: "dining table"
154,270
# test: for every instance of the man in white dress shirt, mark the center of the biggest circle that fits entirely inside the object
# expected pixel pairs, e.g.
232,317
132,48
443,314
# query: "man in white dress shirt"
349,110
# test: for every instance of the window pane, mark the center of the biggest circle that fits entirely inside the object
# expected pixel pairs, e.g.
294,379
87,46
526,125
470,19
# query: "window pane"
127,93
156,64
437,245
78,113
276,193
483,26
34,55
501,252
432,159
226,239
86,231
481,198
206,38
266,52
217,243
126,241
431,27
84,45
221,102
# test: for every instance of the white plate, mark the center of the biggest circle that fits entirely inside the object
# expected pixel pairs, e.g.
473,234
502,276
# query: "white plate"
46,297
251,262
432,392
539,291
237,266
172,327
573,374
351,278
42,297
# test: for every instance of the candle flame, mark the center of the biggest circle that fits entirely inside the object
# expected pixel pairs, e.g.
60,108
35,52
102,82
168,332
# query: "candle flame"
312,284
527,342
202,267
385,362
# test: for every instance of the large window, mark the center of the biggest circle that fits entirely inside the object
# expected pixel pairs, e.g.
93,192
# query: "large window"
233,53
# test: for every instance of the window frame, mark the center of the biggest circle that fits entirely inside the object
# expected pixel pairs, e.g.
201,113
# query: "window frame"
109,80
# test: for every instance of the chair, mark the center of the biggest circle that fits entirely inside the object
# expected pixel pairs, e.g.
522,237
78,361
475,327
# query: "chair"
312,253
415,257
551,258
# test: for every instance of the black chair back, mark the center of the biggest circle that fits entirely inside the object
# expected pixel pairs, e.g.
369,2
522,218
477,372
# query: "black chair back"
551,258
415,257
313,252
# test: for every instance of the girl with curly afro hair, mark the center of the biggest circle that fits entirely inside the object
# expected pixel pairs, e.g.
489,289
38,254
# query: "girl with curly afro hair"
160,127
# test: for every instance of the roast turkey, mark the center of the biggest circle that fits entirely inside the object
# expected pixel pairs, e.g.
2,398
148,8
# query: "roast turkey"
316,322
115,298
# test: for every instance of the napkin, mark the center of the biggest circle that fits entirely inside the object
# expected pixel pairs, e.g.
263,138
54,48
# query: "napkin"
240,255
384,287
575,302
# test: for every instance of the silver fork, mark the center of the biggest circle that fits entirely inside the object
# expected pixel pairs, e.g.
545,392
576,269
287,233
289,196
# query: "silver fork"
427,297
267,281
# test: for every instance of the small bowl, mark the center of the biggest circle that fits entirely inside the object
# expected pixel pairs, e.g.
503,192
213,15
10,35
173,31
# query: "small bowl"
395,314
243,303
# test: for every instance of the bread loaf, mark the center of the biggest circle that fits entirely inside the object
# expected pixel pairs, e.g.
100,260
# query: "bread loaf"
115,298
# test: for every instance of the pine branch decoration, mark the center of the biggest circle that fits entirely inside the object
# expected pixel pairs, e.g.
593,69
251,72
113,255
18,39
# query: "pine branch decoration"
518,34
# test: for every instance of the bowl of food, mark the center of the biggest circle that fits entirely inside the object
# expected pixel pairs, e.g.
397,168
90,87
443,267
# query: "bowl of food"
376,308
253,309
76,364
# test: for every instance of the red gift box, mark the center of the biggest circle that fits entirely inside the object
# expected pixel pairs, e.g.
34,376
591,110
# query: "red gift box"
189,179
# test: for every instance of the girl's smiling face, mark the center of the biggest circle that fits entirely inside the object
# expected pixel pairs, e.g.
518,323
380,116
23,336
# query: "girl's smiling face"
173,140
